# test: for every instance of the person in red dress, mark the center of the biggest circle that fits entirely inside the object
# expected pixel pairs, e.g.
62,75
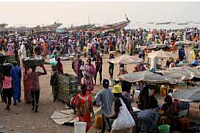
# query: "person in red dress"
83,102
27,87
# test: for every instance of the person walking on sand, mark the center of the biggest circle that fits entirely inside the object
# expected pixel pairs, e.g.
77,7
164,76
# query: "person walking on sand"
7,89
105,98
83,102
54,82
35,86
76,65
27,87
98,64
88,73
16,75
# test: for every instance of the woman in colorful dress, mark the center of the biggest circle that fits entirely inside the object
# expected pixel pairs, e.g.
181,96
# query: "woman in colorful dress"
89,72
27,89
83,102
76,64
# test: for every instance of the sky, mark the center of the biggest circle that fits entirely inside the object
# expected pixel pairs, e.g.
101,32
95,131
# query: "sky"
77,13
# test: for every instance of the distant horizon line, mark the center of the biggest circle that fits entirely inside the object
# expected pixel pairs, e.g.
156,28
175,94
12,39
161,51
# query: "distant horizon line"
75,24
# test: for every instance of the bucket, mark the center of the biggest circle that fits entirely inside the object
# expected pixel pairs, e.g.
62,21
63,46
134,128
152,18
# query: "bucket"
80,127
164,128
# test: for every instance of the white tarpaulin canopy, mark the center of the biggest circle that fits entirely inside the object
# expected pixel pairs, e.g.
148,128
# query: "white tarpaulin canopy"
161,54
154,46
190,95
146,76
67,116
126,59
181,73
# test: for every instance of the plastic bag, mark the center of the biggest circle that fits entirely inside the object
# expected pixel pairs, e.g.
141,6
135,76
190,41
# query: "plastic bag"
124,119
53,61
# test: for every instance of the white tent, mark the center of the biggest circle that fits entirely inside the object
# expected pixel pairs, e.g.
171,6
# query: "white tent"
126,59
155,55
161,54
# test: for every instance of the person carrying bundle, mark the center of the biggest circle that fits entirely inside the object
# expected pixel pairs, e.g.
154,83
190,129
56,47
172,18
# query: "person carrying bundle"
35,86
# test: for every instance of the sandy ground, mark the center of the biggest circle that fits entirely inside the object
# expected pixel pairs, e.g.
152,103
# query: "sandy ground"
21,119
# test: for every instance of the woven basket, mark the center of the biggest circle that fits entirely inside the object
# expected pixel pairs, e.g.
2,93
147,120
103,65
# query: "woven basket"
67,85
5,67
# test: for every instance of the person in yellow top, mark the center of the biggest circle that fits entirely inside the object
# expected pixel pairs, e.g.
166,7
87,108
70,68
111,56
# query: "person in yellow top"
119,101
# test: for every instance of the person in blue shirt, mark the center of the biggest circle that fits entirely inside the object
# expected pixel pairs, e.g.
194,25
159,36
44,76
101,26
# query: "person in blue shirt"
181,53
105,98
16,76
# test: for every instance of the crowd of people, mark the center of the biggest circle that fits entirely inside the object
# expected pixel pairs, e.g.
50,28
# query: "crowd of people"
89,43
56,45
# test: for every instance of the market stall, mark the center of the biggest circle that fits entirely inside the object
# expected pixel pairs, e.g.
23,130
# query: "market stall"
185,97
154,57
126,59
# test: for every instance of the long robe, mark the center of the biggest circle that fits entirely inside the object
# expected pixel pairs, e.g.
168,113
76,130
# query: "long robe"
89,73
16,76
76,67
27,89
84,103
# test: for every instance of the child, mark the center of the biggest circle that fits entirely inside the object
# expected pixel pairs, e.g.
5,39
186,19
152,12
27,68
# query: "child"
7,89
54,82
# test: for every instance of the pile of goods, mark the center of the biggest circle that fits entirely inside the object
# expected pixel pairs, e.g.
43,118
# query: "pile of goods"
30,61
67,86
6,67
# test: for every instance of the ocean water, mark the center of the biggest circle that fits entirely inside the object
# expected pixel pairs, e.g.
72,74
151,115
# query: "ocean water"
164,26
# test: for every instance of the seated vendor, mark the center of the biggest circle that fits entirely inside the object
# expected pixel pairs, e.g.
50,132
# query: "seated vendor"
169,61
170,112
148,119
153,103
136,68
123,71
141,67
172,65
